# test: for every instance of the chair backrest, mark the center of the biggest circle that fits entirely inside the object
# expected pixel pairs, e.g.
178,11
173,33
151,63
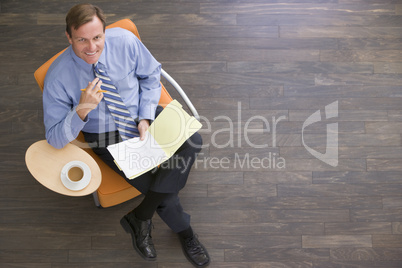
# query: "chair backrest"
127,24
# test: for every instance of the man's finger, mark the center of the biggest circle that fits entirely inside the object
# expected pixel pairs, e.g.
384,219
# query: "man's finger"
92,85
142,134
98,85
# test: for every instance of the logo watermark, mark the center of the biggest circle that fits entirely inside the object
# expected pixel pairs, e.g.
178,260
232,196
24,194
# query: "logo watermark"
236,133
330,156
271,161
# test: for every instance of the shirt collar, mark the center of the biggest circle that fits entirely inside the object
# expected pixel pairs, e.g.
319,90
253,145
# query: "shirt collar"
102,58
87,67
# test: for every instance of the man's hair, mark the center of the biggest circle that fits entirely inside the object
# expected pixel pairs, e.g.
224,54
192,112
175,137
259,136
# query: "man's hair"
81,14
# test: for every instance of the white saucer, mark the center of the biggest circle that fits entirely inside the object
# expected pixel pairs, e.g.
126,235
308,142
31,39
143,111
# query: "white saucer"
76,185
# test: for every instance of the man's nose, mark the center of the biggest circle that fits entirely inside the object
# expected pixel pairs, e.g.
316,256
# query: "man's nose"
92,45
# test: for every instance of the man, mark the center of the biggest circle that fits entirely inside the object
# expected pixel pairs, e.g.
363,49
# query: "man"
79,95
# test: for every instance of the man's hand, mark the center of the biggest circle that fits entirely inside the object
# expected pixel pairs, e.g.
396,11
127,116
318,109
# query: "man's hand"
90,98
143,127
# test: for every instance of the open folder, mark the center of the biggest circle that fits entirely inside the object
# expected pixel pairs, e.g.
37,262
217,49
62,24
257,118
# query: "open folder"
163,138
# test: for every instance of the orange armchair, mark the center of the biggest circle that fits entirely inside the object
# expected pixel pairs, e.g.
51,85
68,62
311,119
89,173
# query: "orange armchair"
114,189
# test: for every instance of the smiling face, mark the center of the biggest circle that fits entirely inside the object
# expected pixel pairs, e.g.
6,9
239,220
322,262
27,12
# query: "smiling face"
88,40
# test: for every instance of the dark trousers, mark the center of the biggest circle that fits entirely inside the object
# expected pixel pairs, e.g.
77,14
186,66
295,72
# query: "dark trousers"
170,177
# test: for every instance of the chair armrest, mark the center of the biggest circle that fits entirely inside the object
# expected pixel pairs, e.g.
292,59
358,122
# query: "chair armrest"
181,92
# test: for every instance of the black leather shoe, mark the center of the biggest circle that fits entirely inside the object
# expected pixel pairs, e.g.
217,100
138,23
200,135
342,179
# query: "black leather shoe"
195,252
141,234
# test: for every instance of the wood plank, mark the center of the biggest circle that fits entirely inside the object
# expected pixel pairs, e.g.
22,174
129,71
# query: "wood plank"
369,152
320,140
291,103
262,254
340,20
277,177
104,265
267,228
34,255
342,91
242,43
26,265
256,241
242,115
384,127
195,67
296,126
340,32
387,241
358,79
339,190
354,228
361,55
297,8
20,116
366,254
346,116
141,19
216,178
243,191
221,103
307,67
370,103
392,202
17,19
377,215
368,1
394,115
398,9
242,79
213,31
384,165
53,242
336,241
53,230
357,177
294,164
397,227
317,103
232,202
266,55
317,202
235,91
28,98
127,6
364,263
369,44
388,67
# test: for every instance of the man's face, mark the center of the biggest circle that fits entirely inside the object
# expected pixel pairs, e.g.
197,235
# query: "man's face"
88,40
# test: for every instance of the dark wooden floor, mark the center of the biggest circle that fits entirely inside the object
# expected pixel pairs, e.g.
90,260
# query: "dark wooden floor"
256,70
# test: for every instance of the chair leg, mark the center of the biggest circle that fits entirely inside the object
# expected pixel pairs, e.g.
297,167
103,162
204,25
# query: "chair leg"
96,199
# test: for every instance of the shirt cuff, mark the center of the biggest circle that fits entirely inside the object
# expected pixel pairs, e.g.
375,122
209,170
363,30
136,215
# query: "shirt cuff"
147,113
74,122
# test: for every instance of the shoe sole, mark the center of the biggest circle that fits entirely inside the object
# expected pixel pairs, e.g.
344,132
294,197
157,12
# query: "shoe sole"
126,226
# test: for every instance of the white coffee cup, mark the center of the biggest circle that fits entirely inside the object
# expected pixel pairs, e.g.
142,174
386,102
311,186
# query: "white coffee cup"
75,175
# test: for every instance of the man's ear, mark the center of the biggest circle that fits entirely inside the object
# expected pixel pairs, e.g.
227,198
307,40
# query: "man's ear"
69,38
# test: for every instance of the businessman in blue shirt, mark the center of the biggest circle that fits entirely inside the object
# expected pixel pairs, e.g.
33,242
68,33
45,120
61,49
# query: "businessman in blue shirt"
135,74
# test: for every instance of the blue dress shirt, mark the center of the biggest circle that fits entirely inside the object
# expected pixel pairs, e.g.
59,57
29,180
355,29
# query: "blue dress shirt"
130,66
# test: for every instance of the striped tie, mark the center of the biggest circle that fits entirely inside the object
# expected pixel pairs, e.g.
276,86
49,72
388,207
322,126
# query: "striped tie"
125,124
